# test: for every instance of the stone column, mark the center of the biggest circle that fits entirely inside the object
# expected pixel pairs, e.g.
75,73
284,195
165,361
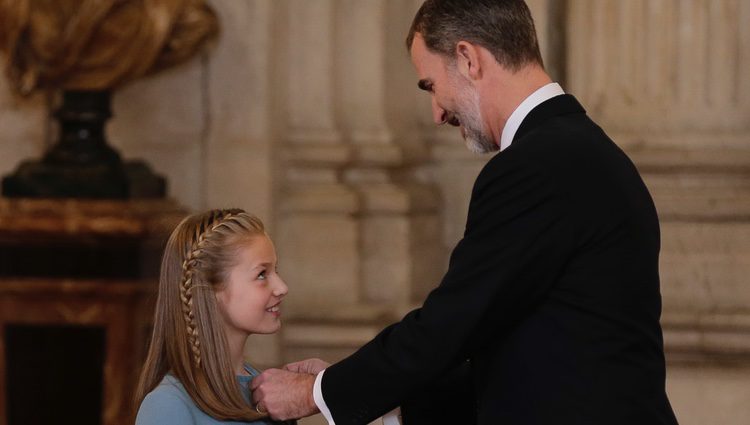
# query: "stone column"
549,19
239,98
239,137
671,68
359,226
318,232
398,219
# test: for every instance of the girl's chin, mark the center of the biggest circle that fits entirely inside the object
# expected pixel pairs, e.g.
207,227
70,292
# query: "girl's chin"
267,330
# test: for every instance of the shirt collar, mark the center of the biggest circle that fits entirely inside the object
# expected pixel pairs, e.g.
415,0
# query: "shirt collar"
516,118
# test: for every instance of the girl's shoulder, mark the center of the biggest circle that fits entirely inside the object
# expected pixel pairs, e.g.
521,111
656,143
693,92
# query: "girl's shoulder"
167,402
170,403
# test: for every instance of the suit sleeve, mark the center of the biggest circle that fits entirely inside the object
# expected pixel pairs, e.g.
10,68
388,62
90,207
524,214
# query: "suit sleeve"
454,388
515,246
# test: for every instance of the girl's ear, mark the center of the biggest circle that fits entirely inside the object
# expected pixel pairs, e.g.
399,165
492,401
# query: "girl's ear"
219,296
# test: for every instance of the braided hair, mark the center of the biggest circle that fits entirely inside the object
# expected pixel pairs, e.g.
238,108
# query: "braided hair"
190,265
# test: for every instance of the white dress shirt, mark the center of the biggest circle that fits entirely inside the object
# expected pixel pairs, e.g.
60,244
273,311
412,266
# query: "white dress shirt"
509,131
542,94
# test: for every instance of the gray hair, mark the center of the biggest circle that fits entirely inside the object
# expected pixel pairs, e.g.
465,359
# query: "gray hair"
504,27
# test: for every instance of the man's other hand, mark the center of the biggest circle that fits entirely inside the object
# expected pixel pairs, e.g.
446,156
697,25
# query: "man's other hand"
311,366
283,394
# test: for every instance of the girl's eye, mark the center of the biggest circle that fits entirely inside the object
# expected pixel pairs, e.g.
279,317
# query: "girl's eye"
262,275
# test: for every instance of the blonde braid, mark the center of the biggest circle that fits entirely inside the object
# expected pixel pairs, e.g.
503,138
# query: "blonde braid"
192,260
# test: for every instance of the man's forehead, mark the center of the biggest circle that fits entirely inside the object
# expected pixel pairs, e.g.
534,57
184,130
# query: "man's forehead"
425,61
418,46
416,52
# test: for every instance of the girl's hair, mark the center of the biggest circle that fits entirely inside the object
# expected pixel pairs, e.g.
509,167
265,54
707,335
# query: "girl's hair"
188,339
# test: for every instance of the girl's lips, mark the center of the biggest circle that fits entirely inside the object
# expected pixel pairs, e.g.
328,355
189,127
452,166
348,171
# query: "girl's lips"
275,314
275,309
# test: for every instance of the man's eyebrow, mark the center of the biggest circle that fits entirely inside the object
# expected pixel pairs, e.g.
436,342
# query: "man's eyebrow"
425,85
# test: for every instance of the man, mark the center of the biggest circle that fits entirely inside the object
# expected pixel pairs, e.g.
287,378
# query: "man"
553,292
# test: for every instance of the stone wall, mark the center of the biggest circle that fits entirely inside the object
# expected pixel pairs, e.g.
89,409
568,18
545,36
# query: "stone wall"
306,112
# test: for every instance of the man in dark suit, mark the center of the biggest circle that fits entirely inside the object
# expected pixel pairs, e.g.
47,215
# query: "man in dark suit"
553,294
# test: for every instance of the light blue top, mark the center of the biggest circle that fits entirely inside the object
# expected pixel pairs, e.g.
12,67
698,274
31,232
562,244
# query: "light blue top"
170,404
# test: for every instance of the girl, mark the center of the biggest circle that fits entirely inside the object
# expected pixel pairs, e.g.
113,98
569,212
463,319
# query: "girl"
218,285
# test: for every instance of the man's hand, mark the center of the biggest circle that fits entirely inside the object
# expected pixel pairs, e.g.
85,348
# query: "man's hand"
284,395
311,366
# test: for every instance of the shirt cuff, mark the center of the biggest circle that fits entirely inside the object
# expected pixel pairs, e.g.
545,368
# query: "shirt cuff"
318,396
393,417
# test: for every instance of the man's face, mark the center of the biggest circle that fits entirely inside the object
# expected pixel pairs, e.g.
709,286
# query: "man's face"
454,100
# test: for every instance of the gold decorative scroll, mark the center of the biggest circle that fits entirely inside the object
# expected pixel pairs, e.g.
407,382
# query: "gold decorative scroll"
98,44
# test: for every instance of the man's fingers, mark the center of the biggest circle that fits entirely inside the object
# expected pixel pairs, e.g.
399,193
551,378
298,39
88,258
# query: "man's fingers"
255,383
293,367
310,366
258,380
298,367
274,409
284,394
257,397
275,413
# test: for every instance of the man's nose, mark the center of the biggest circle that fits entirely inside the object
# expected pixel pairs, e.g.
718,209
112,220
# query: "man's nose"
438,113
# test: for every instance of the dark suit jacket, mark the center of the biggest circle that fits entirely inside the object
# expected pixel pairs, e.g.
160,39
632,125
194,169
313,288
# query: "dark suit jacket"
553,293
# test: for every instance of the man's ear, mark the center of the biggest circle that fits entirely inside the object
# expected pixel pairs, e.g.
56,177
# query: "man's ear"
467,60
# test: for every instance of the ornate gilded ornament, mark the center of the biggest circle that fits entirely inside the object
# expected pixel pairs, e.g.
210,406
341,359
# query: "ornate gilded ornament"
98,44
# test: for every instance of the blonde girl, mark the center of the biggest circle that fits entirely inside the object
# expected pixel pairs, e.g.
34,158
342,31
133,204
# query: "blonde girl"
219,283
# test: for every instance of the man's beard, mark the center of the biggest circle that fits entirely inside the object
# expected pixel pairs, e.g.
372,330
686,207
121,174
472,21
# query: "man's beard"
471,119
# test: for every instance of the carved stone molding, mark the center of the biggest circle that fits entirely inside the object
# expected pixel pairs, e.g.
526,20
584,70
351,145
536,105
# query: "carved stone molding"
703,199
707,338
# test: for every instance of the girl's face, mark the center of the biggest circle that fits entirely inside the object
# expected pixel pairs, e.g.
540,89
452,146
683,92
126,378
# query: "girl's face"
250,301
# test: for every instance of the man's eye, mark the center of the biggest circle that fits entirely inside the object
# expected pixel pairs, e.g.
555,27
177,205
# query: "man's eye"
426,86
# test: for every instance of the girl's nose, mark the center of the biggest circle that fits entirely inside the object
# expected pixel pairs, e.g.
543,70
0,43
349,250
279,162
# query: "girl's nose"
280,289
